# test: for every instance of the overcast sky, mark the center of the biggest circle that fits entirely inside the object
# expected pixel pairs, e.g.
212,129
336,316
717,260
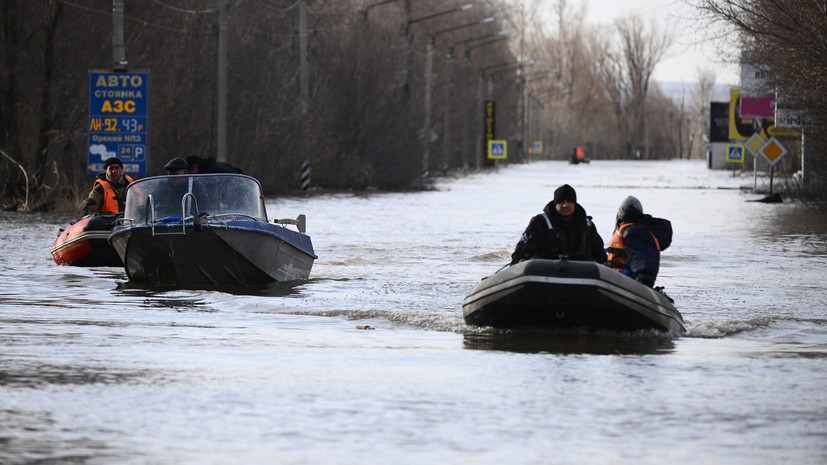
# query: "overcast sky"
691,49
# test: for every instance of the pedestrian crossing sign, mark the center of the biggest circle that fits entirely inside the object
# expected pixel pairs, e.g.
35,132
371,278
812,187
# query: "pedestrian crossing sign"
497,149
735,153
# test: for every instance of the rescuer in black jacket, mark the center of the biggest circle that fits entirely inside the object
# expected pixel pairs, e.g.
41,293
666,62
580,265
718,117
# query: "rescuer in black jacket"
562,230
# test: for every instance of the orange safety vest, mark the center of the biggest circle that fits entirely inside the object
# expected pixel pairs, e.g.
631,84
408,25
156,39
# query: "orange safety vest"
617,251
111,203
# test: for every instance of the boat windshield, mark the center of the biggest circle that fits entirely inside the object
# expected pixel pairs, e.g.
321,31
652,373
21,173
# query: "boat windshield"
214,194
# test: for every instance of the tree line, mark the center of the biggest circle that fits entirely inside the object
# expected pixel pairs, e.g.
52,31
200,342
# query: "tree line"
554,79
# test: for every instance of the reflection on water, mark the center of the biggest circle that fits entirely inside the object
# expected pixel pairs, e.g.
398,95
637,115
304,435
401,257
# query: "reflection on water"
570,342
275,289
38,375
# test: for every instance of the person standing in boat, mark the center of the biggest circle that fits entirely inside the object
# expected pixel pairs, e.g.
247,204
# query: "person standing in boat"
562,230
109,190
637,242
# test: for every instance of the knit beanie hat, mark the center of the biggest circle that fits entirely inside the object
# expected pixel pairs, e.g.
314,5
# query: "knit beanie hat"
112,161
565,192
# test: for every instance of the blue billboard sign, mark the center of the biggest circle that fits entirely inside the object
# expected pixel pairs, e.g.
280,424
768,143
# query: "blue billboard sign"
118,120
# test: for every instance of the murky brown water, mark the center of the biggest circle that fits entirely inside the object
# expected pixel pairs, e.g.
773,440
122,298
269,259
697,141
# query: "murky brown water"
96,372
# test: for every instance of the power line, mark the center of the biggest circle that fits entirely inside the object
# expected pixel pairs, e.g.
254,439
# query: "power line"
132,18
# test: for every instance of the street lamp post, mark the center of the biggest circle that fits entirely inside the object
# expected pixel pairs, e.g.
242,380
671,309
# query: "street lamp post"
480,84
363,19
446,123
491,70
429,58
428,86
499,36
535,117
221,82
404,42
529,131
360,52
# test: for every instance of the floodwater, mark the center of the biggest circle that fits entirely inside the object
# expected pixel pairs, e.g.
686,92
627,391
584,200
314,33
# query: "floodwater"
93,371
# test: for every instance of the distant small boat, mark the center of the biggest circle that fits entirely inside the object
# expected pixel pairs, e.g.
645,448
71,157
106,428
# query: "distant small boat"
207,230
569,294
86,242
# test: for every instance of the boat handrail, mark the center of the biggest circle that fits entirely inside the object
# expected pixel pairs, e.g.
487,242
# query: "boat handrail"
184,216
150,201
184,209
232,216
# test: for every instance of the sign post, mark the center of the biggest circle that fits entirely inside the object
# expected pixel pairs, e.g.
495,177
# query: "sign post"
490,129
118,120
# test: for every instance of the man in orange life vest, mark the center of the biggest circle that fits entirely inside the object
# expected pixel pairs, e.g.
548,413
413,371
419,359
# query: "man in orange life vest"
562,230
109,190
637,242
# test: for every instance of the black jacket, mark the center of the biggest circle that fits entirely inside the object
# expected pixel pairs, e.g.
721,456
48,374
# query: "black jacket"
209,165
576,239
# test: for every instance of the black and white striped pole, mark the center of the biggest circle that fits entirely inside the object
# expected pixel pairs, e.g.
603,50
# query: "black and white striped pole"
305,174
305,96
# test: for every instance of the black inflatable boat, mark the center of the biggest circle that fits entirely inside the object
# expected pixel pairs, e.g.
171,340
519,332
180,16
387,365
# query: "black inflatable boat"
569,294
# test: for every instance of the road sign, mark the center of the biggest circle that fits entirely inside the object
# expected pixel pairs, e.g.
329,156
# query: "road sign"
497,149
735,153
118,120
791,118
536,148
754,143
773,151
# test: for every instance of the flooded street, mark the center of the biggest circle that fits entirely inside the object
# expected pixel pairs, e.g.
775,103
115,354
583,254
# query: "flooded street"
94,371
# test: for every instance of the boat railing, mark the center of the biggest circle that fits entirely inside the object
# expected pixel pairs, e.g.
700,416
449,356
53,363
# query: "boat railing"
232,216
150,201
173,219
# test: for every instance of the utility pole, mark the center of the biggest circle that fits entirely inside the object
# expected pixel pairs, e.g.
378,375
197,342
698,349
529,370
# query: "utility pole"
429,59
446,119
305,95
221,84
118,48
360,52
404,43
500,36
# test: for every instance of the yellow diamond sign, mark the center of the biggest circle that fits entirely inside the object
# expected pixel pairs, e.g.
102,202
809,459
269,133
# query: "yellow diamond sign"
773,151
754,143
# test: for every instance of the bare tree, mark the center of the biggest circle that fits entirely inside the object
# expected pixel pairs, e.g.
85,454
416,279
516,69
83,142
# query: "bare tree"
362,133
572,86
610,69
699,113
642,49
789,39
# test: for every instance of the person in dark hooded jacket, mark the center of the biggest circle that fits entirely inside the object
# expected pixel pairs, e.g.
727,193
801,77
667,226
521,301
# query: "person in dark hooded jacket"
562,230
637,242
199,165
